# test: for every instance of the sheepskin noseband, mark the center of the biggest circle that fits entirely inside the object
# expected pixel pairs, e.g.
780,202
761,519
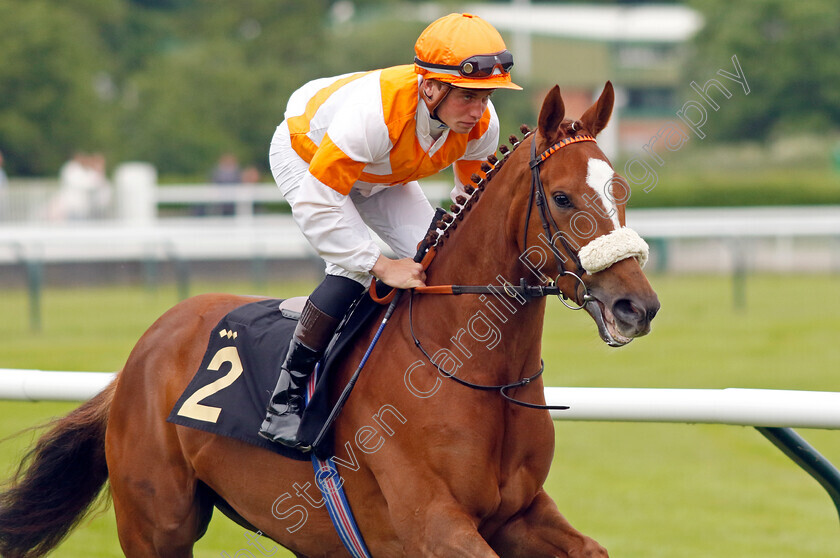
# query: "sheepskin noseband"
608,249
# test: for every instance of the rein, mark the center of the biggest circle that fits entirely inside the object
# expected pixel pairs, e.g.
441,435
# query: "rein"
501,388
538,199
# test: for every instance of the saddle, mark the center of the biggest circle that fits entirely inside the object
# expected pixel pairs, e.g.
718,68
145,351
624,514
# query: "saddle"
228,394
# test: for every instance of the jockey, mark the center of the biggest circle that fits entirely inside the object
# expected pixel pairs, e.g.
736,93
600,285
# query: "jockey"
348,156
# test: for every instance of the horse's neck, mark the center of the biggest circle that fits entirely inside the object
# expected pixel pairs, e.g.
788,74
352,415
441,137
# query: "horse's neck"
482,251
483,246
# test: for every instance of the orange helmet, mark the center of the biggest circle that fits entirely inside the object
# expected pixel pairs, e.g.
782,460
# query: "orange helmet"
464,51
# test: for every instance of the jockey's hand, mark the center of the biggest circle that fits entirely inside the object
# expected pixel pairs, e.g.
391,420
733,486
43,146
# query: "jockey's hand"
402,274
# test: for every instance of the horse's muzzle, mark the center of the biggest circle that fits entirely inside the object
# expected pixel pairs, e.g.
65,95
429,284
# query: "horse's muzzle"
622,320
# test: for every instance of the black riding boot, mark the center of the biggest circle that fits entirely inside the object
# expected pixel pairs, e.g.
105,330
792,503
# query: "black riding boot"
312,335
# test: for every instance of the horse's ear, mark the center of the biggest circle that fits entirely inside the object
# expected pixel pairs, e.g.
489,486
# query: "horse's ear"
596,117
551,115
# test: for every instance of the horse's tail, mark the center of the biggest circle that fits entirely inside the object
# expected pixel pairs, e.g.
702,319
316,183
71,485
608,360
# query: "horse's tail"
57,482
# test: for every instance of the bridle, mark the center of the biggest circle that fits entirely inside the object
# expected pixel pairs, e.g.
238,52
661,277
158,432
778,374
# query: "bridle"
426,252
537,198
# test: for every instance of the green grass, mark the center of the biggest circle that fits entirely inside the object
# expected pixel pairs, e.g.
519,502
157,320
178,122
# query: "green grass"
646,490
642,490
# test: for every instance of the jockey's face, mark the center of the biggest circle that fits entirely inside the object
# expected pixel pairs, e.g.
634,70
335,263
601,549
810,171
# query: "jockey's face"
461,109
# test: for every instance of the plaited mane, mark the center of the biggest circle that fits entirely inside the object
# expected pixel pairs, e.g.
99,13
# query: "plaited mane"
462,205
457,211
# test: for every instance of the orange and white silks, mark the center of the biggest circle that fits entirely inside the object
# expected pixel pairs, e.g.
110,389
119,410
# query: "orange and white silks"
364,139
363,127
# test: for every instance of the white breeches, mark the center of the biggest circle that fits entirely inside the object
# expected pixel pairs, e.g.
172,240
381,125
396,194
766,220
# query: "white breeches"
400,215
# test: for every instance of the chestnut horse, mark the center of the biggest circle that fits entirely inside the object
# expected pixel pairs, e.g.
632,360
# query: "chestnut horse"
430,467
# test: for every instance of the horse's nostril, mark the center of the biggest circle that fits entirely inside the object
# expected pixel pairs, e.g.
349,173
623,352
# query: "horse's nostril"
628,312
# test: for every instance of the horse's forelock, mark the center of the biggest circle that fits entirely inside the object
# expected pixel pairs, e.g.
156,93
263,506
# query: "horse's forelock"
570,128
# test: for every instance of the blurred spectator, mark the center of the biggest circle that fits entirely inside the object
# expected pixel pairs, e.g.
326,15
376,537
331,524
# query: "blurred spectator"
101,192
250,175
227,170
227,173
84,191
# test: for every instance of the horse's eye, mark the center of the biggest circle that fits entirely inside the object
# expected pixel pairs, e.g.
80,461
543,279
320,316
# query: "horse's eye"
562,200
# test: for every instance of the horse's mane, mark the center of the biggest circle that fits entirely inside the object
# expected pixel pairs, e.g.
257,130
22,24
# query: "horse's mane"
457,211
463,203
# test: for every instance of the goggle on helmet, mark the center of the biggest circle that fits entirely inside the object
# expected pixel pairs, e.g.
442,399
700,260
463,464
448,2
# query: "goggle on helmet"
465,51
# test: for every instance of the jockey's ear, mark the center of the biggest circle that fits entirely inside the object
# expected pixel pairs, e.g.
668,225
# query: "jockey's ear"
433,93
598,115
551,115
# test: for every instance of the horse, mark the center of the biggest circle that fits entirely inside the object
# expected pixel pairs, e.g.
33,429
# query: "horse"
429,466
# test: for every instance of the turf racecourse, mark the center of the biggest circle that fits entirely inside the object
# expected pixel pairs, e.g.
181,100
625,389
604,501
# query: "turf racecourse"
642,490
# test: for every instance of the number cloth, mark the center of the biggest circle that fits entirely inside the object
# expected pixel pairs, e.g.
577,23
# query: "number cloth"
228,393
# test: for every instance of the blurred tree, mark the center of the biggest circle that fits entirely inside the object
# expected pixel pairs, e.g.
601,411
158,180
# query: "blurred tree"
790,55
162,4
370,44
221,82
55,90
177,82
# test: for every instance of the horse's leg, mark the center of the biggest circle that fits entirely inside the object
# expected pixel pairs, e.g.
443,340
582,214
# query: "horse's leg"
158,500
427,520
440,530
160,507
159,519
541,531
159,504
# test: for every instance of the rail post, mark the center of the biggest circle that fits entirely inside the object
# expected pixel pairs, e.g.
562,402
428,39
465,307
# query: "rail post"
807,457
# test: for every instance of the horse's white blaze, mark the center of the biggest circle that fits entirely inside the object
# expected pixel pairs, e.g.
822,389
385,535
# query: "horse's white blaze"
599,177
621,242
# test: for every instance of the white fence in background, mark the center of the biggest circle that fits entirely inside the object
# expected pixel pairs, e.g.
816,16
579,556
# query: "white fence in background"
142,227
42,385
774,413
137,198
26,201
193,239
735,406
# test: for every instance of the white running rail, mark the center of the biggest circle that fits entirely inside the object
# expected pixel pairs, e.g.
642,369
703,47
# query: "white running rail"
746,407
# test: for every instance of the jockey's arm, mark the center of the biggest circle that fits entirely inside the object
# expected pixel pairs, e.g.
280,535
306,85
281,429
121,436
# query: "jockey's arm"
463,171
330,223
